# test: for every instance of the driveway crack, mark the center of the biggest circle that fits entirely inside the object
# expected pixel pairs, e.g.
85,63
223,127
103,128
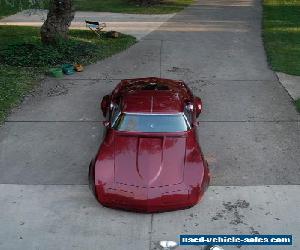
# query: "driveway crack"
150,233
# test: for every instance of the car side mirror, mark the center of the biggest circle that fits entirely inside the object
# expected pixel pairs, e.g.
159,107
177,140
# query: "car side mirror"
106,123
198,106
105,104
196,123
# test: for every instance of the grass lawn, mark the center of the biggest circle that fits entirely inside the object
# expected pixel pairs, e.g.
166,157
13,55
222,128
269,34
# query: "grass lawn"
119,6
12,7
281,33
24,60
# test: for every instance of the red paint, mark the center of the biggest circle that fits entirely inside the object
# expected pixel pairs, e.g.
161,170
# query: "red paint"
150,172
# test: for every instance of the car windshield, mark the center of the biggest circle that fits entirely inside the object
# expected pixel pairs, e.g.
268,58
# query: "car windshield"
151,122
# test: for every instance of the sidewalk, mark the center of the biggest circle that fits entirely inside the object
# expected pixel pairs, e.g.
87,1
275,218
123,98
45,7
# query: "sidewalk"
291,84
132,24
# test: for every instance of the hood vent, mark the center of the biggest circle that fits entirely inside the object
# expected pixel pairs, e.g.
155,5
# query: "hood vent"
155,86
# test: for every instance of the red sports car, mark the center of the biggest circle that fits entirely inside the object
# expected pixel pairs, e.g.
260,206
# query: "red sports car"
150,159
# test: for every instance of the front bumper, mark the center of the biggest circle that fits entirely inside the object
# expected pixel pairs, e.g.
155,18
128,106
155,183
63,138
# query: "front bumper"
149,199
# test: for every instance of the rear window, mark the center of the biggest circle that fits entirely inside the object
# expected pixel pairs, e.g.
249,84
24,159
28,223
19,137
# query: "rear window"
151,123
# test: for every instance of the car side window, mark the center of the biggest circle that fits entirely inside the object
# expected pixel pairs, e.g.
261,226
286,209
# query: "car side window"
188,113
116,111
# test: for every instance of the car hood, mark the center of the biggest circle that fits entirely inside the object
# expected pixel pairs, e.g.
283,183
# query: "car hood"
149,161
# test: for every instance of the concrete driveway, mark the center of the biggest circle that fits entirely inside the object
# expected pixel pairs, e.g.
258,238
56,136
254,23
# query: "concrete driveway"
249,133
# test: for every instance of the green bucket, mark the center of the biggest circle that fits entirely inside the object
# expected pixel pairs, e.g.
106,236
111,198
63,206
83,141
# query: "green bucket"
68,69
56,72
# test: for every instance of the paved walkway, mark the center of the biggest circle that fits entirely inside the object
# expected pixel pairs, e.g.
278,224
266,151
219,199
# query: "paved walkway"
132,24
291,84
249,132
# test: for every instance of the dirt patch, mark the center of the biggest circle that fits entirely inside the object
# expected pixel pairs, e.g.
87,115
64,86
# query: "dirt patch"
253,231
179,70
199,84
232,210
58,90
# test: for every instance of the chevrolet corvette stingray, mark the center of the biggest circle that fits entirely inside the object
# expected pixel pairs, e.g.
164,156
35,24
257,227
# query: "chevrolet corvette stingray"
150,159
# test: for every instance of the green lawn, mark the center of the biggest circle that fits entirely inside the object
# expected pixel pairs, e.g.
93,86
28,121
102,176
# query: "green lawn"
281,35
24,60
10,7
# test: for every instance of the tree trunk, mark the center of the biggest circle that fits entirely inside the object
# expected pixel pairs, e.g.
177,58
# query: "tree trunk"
59,18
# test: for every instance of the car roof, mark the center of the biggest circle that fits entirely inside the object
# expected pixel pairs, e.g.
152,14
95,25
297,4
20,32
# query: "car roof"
152,95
